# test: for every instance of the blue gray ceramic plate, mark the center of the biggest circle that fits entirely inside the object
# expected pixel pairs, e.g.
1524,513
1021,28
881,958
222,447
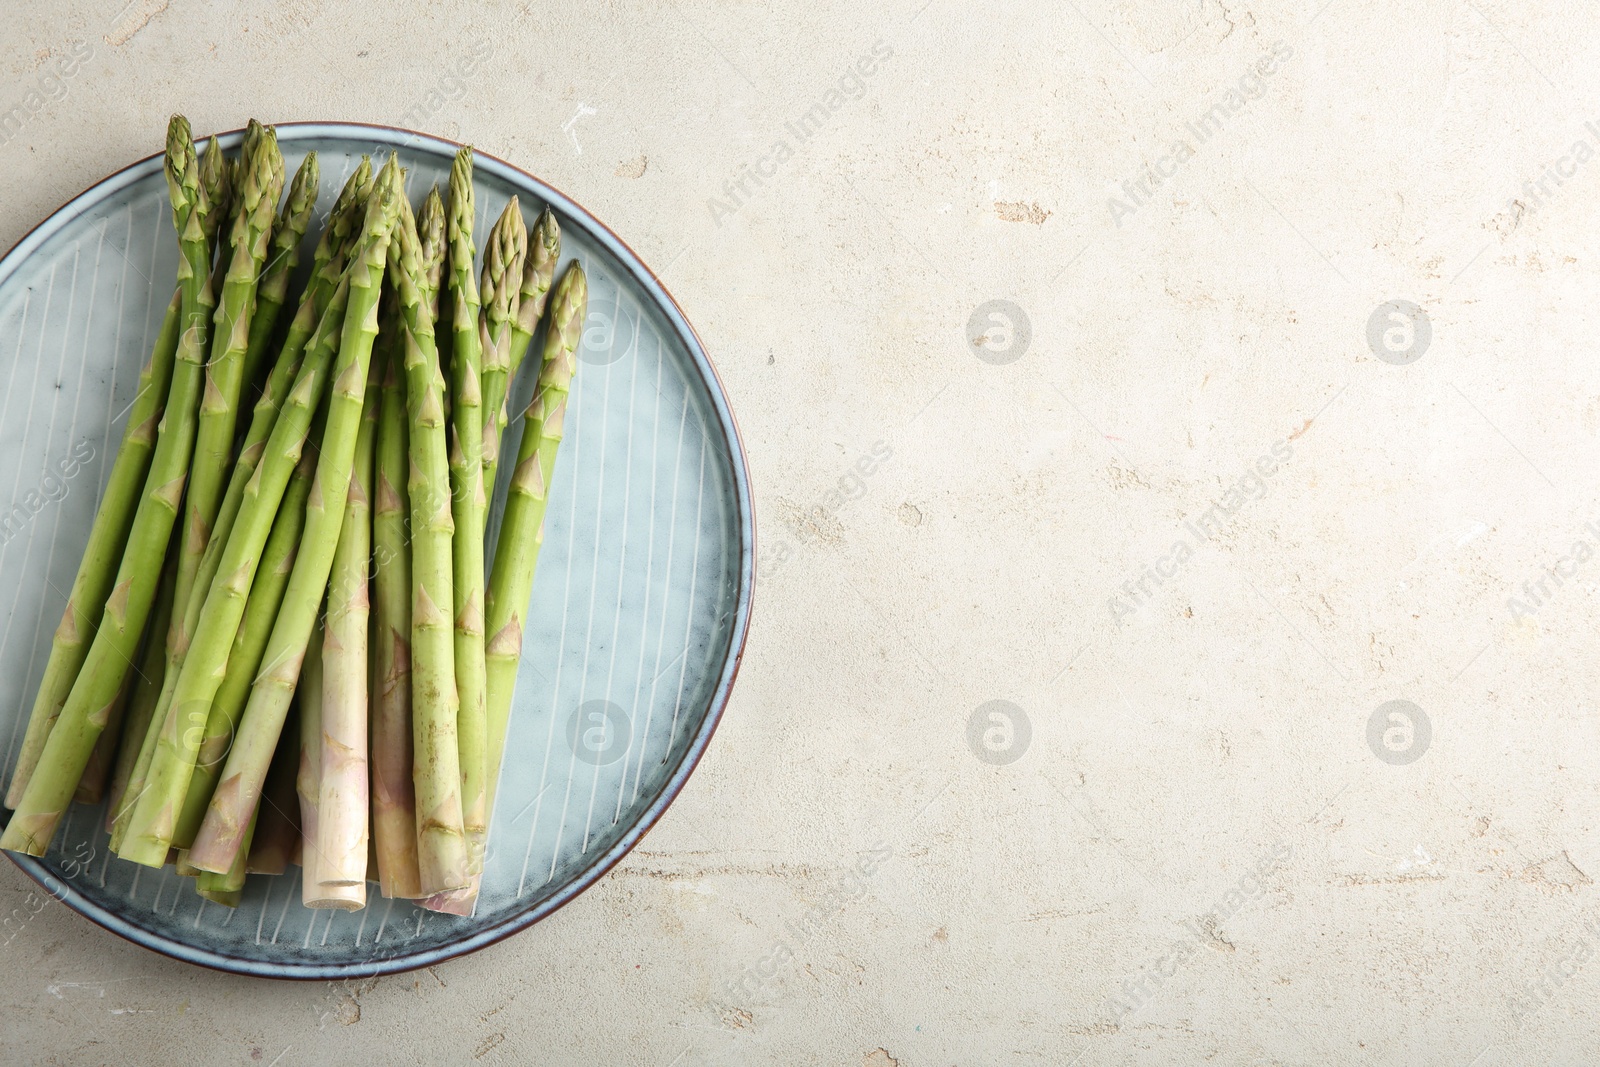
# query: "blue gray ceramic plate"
639,610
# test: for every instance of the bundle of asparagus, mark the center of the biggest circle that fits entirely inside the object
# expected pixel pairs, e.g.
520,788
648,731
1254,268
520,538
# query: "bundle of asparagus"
330,559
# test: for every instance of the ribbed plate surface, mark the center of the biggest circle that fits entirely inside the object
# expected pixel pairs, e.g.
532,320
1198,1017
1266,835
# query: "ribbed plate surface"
639,609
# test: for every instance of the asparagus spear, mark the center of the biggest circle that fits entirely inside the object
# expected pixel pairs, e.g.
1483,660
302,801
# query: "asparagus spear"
216,181
266,595
92,786
308,783
522,533
501,293
431,235
237,793
273,287
394,816
277,829
433,231
146,687
262,167
116,641
467,508
342,809
255,200
538,272
107,537
441,840
308,787
522,530
226,889
215,435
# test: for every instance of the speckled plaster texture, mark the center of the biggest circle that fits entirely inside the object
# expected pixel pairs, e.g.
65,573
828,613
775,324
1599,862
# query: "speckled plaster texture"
1173,432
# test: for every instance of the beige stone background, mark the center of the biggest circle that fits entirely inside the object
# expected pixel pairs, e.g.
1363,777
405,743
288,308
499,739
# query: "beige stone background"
1179,804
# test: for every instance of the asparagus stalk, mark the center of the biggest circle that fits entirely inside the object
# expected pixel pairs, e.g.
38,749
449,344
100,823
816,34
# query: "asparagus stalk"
116,641
219,177
226,889
255,199
538,272
238,791
142,702
107,537
272,289
92,786
249,644
441,839
308,782
138,748
501,293
522,530
522,533
277,830
183,727
433,232
467,508
394,816
342,834
430,228
262,177
216,181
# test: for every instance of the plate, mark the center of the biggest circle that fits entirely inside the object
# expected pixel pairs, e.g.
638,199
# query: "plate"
639,610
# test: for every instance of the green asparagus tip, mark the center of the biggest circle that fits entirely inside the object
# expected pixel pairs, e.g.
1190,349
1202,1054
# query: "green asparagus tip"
546,232
253,133
303,188
215,175
356,188
502,262
461,195
183,177
431,251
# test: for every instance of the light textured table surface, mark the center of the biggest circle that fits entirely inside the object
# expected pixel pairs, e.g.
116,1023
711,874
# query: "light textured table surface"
1190,500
